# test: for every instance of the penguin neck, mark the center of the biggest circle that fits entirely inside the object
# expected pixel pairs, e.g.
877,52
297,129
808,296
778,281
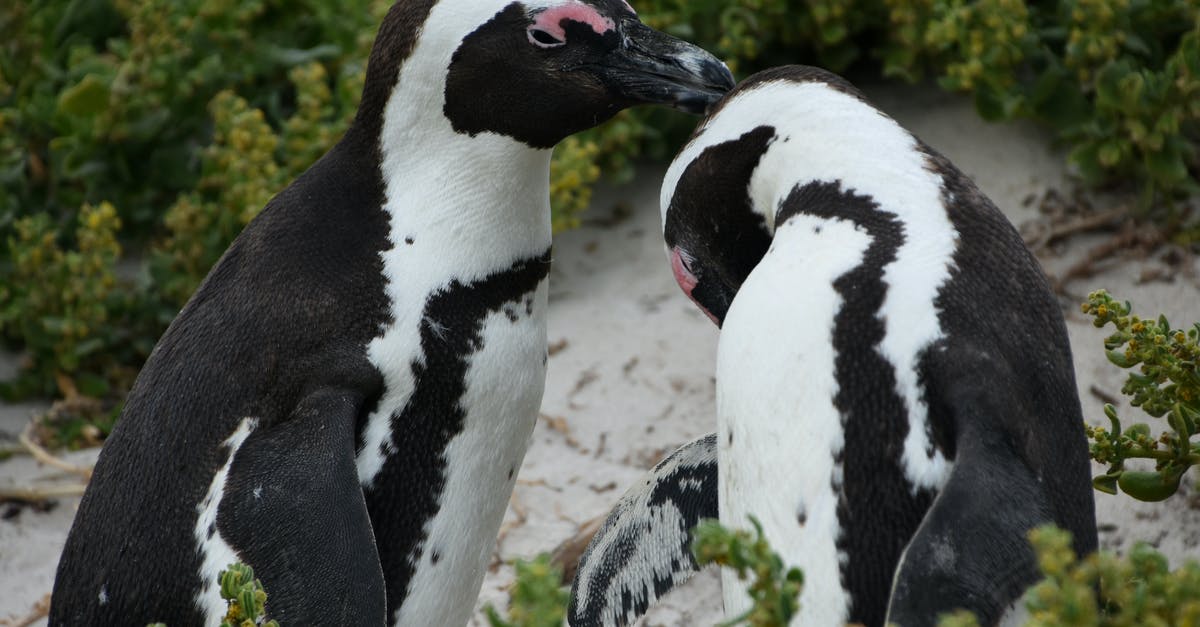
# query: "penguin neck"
487,195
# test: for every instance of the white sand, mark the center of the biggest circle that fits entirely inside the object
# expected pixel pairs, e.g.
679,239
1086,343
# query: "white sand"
634,377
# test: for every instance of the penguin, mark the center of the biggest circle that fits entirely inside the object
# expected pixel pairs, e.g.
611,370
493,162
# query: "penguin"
345,401
644,547
896,398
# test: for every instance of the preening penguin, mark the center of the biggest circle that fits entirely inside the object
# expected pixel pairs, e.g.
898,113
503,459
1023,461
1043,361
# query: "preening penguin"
895,392
345,401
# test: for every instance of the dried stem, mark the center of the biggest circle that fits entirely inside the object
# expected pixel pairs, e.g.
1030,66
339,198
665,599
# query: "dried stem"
44,456
34,495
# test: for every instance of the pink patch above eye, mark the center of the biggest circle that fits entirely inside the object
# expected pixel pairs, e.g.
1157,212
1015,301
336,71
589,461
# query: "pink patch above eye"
551,19
687,281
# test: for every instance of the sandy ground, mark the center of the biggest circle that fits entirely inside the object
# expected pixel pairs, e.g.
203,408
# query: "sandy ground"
631,375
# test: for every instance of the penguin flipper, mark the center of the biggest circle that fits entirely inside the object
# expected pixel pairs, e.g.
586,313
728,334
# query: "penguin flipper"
643,550
971,550
301,519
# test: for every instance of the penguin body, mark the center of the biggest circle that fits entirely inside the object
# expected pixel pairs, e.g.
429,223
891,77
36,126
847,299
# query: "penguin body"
345,401
895,391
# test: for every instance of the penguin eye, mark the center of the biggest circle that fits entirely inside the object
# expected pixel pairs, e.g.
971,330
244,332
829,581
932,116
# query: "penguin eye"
542,39
686,260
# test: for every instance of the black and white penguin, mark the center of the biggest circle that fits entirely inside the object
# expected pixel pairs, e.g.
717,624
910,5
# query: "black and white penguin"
345,402
895,392
896,396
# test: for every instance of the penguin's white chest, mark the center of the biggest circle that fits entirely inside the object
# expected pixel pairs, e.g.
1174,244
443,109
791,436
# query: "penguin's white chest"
504,381
779,433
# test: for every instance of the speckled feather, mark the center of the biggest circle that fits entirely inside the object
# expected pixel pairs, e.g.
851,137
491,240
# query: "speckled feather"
644,547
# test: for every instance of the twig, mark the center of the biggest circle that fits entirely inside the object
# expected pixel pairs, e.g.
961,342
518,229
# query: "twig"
600,448
1102,395
40,610
566,555
1082,224
9,451
1123,240
34,495
44,456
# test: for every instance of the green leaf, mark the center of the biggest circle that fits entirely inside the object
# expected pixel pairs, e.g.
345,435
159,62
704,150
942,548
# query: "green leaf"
298,56
1057,99
1181,422
246,599
1135,44
1110,152
88,346
1150,486
91,384
1086,157
54,324
1118,359
1105,483
1167,165
990,103
1136,429
88,97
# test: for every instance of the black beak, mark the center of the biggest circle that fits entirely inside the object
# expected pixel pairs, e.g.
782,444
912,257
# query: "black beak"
651,67
713,298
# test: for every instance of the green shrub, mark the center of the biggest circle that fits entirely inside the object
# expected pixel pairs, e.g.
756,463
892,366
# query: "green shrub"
240,174
1105,590
537,598
186,115
1166,383
57,300
775,589
245,596
1117,80
1101,590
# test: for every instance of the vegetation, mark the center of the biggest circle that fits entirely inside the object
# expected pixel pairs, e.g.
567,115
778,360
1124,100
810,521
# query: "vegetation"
1102,590
156,127
245,596
537,598
1165,383
138,138
775,590
1133,590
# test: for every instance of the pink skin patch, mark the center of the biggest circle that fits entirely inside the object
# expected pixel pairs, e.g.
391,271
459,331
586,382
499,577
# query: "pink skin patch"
551,20
687,281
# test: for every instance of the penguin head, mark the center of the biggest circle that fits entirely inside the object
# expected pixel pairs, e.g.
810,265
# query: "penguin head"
718,205
533,70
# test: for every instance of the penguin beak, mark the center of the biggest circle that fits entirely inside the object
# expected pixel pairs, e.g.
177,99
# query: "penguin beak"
651,67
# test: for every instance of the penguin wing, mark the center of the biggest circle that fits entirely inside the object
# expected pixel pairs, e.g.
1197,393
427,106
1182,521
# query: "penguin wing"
294,510
643,550
971,550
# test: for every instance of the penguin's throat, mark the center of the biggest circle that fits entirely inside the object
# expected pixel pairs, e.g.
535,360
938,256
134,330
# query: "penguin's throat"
478,197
